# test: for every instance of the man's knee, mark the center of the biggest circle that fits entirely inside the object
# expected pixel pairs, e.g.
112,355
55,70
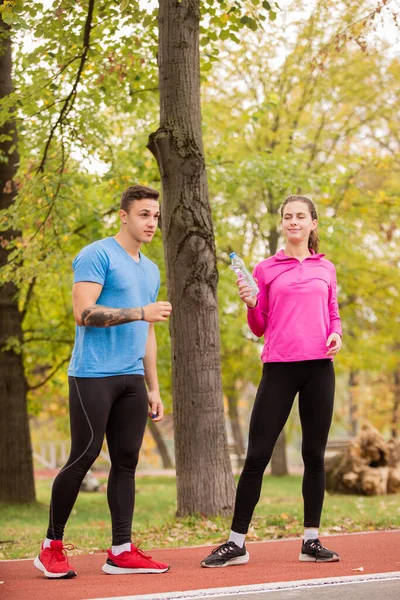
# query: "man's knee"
125,462
84,461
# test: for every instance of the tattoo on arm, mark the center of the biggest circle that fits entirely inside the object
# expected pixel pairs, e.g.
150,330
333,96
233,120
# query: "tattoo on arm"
102,316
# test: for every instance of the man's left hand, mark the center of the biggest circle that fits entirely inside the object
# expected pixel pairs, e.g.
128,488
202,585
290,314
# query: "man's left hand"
156,412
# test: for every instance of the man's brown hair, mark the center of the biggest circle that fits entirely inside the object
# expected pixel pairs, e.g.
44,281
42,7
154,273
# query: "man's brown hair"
137,192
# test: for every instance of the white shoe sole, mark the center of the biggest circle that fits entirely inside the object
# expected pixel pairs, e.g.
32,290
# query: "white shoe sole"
39,565
114,570
240,560
308,558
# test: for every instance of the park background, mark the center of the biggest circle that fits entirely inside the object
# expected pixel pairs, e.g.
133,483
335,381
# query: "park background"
296,98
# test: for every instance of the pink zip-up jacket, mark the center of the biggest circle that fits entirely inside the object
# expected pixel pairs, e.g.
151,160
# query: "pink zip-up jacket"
297,307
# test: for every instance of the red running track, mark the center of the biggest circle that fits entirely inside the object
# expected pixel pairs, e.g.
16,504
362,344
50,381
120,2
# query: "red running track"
375,552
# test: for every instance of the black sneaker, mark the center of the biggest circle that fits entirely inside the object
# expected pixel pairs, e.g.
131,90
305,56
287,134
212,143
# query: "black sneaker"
226,555
314,551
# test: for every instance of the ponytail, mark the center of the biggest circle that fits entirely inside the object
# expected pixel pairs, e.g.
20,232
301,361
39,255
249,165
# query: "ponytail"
313,241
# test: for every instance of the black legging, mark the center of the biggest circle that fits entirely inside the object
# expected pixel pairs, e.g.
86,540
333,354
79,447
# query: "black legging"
118,407
280,382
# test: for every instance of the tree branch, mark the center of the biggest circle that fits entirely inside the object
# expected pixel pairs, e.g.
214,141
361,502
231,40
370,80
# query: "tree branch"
50,375
342,35
28,297
70,99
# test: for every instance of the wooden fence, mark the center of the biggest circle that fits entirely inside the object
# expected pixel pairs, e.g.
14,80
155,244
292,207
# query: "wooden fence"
52,455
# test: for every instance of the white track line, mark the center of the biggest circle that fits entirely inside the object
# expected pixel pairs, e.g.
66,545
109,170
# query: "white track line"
266,587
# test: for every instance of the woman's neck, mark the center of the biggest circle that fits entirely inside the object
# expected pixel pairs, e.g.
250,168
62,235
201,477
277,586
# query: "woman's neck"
300,251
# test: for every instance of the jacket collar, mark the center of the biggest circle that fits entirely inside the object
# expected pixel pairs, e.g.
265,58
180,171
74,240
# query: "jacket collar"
281,256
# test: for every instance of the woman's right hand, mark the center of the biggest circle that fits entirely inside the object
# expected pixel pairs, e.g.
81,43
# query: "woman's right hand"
245,293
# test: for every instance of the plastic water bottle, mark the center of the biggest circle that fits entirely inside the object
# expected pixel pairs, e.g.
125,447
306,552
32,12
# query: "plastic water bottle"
239,267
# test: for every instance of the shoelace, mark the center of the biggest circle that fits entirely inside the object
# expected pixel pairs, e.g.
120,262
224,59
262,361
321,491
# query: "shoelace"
316,545
142,554
60,554
223,549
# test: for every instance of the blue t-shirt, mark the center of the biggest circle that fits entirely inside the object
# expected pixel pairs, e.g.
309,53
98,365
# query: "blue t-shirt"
117,350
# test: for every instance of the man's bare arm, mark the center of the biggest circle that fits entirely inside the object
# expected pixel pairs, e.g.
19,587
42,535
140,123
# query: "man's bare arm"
103,316
150,361
89,314
150,374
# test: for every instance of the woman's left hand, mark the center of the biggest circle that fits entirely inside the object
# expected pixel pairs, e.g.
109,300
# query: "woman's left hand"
334,343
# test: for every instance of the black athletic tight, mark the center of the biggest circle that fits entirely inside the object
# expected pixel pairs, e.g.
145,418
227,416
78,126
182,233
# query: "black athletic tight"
280,382
115,406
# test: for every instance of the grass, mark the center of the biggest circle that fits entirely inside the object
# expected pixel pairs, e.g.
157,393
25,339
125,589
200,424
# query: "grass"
278,515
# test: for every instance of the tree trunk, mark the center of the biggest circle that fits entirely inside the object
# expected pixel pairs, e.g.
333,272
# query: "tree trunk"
16,464
273,238
353,408
204,474
236,429
161,445
278,459
396,403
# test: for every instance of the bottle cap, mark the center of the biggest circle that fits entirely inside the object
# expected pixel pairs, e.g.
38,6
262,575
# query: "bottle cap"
232,255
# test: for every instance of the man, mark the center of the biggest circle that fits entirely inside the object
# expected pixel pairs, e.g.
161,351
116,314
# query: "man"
115,308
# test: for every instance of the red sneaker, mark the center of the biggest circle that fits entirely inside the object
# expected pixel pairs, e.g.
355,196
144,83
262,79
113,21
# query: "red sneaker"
135,561
53,561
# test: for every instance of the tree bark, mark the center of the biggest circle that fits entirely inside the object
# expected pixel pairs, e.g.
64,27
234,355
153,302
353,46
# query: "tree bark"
353,408
16,463
273,238
204,474
161,445
236,429
278,459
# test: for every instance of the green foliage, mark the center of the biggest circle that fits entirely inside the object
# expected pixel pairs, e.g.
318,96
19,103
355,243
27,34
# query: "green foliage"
69,197
281,114
228,20
11,12
291,128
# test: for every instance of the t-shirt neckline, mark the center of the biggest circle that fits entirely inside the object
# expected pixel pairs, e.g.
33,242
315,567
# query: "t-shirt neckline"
137,262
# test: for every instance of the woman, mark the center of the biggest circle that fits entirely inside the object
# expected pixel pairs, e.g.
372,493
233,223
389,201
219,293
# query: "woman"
297,312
